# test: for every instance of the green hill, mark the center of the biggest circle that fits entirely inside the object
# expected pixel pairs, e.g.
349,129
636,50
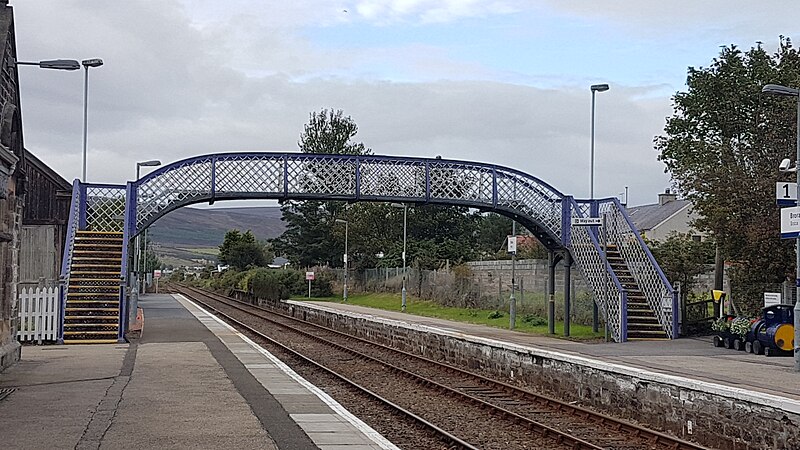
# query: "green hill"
190,234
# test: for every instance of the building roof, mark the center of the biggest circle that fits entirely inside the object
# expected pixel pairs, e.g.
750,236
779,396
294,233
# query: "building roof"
647,217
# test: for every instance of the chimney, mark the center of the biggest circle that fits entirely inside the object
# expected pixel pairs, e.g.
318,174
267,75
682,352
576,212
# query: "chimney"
666,197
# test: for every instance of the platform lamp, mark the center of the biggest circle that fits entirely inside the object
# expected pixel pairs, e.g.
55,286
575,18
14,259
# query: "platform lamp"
405,235
344,290
137,265
775,89
94,62
594,88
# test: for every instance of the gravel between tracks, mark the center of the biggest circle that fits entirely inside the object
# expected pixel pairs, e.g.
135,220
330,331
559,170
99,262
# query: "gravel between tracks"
473,423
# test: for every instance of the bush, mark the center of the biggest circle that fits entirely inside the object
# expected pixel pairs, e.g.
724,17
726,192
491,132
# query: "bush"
495,315
534,320
322,286
274,285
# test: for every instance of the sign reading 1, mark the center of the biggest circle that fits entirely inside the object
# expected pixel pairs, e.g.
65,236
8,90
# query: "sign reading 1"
786,193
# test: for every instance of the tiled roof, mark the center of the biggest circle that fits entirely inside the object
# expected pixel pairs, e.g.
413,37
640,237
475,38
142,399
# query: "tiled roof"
648,216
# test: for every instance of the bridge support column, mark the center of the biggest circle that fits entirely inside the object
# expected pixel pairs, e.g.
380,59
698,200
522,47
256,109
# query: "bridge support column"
552,262
567,290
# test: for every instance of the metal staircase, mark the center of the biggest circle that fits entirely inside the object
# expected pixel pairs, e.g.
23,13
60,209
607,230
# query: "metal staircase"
642,322
92,307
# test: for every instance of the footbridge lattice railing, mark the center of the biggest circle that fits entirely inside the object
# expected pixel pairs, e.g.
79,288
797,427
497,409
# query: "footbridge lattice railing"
545,211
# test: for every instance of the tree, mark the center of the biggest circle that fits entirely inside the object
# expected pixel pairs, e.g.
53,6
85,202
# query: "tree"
722,147
242,251
682,259
310,237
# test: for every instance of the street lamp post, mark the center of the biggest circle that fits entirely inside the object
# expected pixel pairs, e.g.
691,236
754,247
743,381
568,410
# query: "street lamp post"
138,263
774,89
346,225
94,62
405,229
595,88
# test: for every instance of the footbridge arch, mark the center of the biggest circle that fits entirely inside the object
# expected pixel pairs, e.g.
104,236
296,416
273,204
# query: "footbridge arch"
299,176
533,203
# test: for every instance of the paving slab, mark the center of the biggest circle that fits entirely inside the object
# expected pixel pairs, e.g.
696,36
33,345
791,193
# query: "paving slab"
179,397
57,390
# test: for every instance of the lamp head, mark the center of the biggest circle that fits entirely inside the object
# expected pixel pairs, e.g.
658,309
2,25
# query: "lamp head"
777,89
58,64
94,62
151,163
784,166
599,87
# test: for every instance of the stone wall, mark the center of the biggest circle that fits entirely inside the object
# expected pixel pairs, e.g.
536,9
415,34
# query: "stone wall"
718,417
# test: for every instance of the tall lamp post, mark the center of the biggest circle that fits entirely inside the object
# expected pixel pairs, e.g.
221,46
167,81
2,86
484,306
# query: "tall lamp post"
94,62
775,89
405,235
346,225
595,88
138,263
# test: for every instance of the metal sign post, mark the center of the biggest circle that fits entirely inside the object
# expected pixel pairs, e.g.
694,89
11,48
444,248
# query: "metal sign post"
310,278
512,248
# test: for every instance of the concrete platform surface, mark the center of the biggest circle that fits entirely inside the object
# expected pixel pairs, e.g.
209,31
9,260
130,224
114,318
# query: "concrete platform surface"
689,359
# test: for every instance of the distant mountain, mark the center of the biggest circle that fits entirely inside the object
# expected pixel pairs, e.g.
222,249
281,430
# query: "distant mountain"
205,228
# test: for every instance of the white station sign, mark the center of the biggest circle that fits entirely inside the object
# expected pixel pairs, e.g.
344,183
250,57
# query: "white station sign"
586,221
790,222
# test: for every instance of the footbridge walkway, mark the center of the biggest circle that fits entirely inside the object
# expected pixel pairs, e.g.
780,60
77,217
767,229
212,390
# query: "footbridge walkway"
630,289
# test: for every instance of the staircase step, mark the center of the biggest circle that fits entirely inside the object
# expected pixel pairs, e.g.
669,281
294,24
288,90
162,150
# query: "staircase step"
80,259
639,326
95,317
72,333
91,324
90,341
92,272
92,309
99,266
646,334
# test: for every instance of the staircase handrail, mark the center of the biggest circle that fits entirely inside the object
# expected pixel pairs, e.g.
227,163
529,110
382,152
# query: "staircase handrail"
619,335
66,258
651,265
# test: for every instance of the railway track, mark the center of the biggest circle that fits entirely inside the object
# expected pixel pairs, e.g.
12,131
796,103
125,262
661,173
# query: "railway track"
463,409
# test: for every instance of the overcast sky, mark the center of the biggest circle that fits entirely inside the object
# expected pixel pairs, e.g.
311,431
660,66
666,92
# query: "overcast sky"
497,81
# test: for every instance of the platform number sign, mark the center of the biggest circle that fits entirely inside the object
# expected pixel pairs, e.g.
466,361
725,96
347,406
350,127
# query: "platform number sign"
786,193
512,245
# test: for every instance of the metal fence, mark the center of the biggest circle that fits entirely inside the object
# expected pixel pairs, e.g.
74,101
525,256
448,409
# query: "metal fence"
479,285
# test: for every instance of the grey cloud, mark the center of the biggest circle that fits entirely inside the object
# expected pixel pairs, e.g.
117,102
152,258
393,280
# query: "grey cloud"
168,92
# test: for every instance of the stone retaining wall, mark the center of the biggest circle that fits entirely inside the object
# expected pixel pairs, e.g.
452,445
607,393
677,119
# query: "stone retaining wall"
712,415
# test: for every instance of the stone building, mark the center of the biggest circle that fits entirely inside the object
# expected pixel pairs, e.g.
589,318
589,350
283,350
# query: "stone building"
12,187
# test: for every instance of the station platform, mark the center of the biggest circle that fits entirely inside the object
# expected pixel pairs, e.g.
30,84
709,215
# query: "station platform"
190,381
689,362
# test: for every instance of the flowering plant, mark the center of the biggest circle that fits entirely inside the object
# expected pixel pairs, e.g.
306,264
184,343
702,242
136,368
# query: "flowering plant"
741,325
721,324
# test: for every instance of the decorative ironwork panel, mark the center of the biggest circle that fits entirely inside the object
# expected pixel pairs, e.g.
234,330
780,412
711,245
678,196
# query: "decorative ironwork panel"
249,174
460,181
105,208
179,184
598,274
530,197
321,175
390,178
641,264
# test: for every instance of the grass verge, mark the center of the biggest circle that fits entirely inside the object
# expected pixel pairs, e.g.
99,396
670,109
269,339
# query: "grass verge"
525,323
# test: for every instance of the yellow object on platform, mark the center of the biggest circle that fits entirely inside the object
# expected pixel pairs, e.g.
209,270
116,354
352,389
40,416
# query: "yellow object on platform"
784,337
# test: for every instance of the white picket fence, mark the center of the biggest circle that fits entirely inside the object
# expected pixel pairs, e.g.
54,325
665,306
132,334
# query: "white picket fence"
38,314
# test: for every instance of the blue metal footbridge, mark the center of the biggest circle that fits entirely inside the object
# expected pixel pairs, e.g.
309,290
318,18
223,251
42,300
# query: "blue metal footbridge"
630,289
